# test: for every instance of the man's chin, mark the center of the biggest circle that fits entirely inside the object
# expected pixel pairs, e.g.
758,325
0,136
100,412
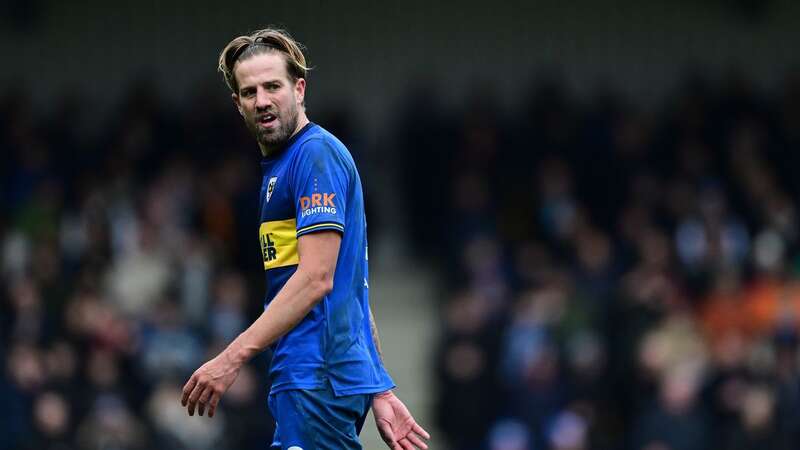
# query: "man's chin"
272,139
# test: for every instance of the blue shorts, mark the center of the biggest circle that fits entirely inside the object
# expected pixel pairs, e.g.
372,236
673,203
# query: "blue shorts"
317,419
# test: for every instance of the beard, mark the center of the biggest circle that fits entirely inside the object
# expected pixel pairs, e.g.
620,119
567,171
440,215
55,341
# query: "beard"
275,137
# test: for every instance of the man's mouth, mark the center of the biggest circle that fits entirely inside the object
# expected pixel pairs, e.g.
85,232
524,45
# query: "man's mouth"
266,119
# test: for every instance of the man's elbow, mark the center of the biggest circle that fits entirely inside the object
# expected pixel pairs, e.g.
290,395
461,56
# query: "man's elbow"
325,286
320,282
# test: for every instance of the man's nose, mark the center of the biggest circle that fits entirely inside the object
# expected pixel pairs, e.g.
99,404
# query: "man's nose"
262,100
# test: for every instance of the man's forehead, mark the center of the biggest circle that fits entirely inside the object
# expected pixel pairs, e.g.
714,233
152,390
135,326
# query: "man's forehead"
261,67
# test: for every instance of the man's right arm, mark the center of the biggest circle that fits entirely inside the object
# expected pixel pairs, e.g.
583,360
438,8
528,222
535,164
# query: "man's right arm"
312,280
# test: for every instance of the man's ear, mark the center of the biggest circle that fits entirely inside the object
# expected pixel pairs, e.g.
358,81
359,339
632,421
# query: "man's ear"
300,90
235,99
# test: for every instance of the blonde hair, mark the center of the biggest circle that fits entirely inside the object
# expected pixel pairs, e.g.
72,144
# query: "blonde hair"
262,41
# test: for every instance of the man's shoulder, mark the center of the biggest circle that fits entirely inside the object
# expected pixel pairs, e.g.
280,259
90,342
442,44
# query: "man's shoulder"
320,144
318,136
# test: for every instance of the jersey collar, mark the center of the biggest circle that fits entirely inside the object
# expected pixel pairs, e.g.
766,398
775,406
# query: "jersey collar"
289,143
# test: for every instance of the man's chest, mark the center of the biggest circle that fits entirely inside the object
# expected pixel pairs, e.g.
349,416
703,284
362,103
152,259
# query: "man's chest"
278,226
276,202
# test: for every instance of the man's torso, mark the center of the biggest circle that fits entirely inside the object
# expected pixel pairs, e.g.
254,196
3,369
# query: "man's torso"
313,185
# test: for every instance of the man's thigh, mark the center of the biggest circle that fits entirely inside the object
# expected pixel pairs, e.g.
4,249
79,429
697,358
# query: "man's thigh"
317,419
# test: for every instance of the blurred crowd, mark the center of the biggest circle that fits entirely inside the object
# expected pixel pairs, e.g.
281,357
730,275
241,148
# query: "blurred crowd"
615,277
618,277
127,258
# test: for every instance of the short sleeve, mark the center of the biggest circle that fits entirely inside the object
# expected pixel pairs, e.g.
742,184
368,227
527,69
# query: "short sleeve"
320,179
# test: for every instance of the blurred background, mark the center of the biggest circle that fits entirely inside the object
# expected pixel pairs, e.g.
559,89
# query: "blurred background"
583,218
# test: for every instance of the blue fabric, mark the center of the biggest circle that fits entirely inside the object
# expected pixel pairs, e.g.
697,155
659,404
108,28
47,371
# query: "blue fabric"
318,419
313,185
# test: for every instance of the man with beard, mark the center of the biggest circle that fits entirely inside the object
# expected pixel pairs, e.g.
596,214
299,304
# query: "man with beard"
326,368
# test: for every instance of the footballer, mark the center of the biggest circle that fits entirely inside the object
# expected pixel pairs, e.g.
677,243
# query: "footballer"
326,368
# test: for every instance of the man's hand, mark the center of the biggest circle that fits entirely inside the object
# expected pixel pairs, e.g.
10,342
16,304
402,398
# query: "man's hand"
395,424
208,383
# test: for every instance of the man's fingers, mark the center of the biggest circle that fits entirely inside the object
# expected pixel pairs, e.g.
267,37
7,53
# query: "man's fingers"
420,431
195,395
212,407
187,389
386,432
406,444
190,406
417,441
203,400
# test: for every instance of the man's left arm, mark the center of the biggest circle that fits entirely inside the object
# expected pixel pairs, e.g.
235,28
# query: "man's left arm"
395,423
376,339
313,279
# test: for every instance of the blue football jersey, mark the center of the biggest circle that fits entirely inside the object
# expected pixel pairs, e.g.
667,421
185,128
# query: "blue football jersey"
312,185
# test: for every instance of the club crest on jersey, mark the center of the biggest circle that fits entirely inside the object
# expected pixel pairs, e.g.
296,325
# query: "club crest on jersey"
271,187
